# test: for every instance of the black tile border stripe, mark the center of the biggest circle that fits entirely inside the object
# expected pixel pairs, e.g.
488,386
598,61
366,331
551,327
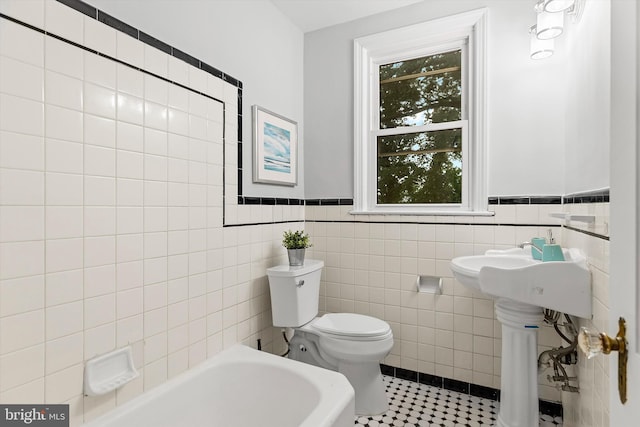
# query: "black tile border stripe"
598,196
390,222
259,200
591,197
588,233
152,41
121,26
525,200
484,224
104,55
113,22
553,409
82,7
149,40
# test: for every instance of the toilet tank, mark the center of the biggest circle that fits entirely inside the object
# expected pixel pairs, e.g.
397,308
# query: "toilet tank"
294,293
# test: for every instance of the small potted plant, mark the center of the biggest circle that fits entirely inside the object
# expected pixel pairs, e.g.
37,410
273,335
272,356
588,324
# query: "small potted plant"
296,242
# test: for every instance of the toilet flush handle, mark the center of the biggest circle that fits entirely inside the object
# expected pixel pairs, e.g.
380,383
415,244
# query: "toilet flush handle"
300,283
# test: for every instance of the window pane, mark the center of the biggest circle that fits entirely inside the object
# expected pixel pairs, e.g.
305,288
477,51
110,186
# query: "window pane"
423,167
421,91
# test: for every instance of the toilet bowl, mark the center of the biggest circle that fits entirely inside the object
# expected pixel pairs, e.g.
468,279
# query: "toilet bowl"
352,344
356,355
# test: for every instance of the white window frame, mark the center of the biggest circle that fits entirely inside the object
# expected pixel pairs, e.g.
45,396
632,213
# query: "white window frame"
467,31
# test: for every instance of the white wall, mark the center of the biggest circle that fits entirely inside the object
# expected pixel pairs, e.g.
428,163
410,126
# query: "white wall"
249,40
525,100
588,51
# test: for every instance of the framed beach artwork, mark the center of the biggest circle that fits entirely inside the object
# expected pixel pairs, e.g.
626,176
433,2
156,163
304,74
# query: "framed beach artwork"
275,148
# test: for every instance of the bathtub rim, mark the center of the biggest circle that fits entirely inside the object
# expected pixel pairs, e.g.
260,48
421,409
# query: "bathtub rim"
330,408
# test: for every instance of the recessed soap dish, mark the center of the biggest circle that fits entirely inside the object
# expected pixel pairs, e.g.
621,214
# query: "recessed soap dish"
105,373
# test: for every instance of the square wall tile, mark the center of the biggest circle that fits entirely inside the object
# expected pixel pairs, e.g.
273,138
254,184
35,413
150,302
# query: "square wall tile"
63,91
20,259
21,115
21,295
64,319
63,352
64,287
21,367
99,340
64,254
21,331
18,151
99,161
64,156
99,131
64,189
99,310
20,79
99,280
64,222
21,223
99,70
99,221
64,123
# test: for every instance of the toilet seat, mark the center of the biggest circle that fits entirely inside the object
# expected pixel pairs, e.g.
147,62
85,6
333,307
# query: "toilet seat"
351,326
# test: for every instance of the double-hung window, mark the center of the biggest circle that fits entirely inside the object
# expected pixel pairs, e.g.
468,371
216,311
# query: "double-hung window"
419,118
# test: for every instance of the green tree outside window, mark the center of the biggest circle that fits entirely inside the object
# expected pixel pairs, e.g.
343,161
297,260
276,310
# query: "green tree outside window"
420,167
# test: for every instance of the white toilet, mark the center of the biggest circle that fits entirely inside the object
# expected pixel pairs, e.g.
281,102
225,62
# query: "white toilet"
352,344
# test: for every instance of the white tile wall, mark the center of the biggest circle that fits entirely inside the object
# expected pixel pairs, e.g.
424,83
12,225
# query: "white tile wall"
591,406
111,228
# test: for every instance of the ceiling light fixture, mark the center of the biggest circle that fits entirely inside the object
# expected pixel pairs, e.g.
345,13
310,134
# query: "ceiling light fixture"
550,24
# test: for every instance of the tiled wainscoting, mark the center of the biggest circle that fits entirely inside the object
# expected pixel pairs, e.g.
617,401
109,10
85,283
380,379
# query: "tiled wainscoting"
371,268
591,406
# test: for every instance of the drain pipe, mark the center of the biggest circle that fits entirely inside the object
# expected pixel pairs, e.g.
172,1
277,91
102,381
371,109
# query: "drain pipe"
558,356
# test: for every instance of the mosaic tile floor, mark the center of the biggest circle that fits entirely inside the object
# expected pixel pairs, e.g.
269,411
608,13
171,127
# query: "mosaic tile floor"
413,404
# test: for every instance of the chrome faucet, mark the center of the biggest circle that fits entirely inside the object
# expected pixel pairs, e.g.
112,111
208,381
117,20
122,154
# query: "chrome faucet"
523,244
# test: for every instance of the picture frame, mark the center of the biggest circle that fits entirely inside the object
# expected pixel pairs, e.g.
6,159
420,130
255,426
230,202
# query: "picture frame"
275,148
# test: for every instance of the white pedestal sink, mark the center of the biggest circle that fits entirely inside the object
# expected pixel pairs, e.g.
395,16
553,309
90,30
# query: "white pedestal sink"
523,286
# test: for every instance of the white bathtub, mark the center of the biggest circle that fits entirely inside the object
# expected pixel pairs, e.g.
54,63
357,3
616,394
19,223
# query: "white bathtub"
242,387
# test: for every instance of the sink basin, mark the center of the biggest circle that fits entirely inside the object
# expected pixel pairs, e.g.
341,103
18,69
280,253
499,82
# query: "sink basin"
467,268
564,286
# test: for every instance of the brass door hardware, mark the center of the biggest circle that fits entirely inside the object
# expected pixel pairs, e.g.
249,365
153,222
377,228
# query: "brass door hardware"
593,343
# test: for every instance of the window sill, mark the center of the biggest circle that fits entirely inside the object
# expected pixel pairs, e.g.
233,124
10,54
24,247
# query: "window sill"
422,213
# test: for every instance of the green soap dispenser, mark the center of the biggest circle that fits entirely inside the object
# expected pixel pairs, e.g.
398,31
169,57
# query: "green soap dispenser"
552,251
536,247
